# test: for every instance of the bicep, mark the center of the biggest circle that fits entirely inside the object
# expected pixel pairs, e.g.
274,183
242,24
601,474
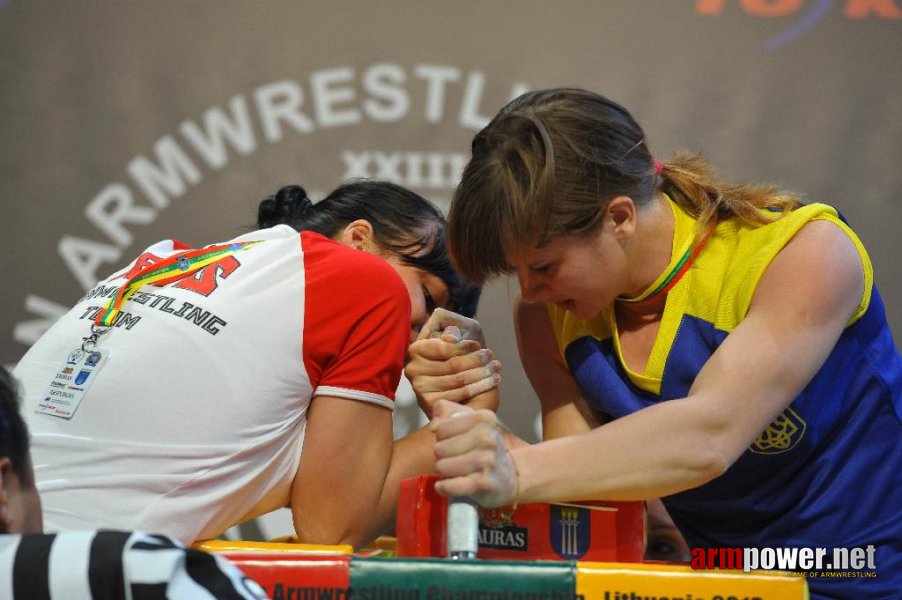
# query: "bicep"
564,410
801,305
346,454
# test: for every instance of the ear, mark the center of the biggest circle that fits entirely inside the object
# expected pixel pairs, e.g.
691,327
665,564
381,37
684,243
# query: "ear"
620,217
359,235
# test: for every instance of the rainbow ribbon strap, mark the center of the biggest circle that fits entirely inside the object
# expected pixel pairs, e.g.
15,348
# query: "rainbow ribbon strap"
171,269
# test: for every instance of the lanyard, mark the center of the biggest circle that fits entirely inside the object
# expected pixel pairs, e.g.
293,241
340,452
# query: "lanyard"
166,271
676,272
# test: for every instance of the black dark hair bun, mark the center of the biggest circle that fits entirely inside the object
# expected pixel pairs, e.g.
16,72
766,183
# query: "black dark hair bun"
287,206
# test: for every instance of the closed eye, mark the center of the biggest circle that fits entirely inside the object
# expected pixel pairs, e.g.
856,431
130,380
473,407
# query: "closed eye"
430,301
541,268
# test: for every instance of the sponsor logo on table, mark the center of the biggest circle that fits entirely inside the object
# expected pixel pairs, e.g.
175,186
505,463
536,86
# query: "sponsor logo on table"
570,531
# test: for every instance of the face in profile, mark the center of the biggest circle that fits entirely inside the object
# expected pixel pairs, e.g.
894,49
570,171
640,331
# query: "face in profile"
426,290
556,273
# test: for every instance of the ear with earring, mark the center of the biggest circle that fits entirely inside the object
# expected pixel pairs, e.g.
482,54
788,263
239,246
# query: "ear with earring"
358,235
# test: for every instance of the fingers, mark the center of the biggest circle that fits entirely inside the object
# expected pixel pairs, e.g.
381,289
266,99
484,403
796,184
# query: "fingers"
475,485
444,408
451,419
481,487
452,335
463,384
451,368
437,321
466,440
435,349
472,381
470,455
463,394
477,444
440,319
483,385
435,357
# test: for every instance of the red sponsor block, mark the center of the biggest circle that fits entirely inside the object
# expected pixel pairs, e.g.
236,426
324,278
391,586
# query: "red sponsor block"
584,530
294,575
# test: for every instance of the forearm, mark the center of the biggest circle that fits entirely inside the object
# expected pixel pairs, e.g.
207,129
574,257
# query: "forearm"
357,523
658,451
412,455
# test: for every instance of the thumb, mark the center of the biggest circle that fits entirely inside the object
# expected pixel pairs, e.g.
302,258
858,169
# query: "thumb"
425,333
452,334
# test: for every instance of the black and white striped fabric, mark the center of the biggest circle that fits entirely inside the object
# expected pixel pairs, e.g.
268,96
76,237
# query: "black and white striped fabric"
101,565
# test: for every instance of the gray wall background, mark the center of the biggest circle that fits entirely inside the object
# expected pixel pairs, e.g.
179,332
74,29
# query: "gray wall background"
124,122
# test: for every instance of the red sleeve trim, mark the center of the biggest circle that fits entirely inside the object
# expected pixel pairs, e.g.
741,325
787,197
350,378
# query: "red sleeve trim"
356,321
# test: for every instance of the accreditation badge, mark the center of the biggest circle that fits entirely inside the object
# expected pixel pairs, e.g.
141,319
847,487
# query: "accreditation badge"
71,382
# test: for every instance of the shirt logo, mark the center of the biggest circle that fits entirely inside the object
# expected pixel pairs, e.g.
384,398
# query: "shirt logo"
782,435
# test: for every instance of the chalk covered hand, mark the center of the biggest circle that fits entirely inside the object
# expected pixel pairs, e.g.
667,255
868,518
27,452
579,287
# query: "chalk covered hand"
441,319
471,456
451,367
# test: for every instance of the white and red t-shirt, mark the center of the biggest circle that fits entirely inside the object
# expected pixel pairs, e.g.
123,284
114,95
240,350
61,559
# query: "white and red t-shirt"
197,418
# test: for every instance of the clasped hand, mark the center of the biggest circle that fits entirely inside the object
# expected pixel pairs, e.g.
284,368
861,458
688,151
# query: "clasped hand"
471,455
449,361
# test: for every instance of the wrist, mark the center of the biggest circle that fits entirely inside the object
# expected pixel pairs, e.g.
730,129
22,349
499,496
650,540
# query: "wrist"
515,498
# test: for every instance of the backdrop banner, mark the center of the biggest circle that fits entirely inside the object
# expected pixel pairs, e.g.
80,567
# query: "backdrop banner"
129,121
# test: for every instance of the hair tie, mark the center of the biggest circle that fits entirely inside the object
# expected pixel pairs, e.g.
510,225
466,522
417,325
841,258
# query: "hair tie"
299,207
659,166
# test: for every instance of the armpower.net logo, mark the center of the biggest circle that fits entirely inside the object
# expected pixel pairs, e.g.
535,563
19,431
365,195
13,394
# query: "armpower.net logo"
813,562
802,15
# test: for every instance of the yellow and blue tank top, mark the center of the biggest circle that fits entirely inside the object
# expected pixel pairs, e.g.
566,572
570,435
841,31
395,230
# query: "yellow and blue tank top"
828,471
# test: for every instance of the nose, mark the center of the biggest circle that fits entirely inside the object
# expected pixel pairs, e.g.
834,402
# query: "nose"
531,288
418,317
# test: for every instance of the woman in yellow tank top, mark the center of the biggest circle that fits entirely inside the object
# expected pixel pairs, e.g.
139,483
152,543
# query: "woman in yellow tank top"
721,346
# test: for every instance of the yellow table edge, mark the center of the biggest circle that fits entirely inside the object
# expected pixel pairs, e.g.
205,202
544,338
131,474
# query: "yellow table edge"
275,546
618,581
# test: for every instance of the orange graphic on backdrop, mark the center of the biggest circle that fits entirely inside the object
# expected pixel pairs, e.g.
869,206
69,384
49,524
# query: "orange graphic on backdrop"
852,9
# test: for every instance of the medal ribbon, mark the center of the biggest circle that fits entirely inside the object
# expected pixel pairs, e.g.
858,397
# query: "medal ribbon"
676,272
171,269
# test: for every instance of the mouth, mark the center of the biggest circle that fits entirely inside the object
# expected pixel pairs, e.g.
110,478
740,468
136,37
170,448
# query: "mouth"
565,304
